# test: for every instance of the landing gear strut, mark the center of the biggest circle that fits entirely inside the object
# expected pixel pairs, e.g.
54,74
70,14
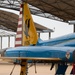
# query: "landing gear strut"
23,67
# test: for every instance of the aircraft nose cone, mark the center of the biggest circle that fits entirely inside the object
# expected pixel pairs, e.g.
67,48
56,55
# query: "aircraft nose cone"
74,55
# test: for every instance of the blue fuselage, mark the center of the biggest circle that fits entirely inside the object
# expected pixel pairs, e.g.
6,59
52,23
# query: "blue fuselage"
41,52
61,47
66,40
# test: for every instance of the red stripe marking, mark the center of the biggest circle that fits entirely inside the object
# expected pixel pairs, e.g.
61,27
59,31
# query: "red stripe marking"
18,45
21,6
19,32
20,12
19,25
18,39
20,19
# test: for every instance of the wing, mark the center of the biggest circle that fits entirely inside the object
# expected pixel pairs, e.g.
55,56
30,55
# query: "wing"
30,58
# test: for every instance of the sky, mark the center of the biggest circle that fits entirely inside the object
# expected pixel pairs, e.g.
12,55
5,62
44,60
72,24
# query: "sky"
60,28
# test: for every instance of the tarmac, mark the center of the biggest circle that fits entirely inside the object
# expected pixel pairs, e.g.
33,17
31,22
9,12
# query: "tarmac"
41,69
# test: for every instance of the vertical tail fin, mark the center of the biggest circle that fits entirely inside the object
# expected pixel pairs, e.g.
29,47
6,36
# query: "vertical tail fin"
29,31
26,32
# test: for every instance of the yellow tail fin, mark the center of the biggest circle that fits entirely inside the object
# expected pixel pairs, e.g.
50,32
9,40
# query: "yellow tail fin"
29,31
26,31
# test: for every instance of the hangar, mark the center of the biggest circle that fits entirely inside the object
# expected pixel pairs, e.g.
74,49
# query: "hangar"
9,21
62,10
54,6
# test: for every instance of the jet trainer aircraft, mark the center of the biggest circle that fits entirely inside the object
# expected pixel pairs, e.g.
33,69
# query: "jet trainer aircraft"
27,46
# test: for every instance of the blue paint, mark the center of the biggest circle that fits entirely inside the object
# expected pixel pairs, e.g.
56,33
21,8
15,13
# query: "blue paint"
66,40
54,48
41,52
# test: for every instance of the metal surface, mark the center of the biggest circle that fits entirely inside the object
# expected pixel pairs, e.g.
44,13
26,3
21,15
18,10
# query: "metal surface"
62,10
4,33
9,21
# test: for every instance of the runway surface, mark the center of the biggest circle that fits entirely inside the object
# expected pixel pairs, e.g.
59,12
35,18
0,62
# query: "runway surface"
41,69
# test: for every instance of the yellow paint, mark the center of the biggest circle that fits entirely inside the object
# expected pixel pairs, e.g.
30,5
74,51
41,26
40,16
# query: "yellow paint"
28,27
30,58
23,67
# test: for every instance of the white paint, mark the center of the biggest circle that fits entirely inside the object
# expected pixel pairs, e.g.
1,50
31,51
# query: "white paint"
19,29
18,42
19,22
19,36
20,9
20,16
